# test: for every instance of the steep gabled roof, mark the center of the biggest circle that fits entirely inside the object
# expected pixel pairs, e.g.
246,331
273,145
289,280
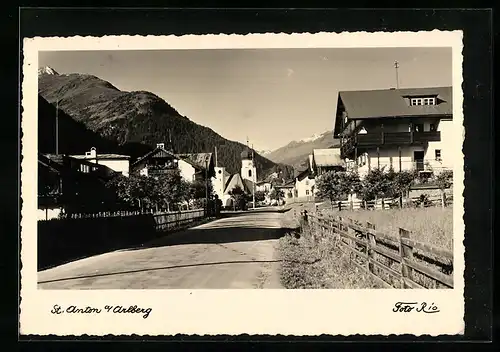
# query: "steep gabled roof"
300,175
198,160
156,151
237,180
392,102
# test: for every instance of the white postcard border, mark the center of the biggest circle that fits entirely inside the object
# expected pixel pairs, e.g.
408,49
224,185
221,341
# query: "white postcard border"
232,312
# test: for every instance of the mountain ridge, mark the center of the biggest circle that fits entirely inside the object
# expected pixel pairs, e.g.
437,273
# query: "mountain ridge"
296,153
140,118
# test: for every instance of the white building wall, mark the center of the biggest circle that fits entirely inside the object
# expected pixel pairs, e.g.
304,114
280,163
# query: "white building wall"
117,165
305,187
445,145
219,181
247,167
187,170
143,171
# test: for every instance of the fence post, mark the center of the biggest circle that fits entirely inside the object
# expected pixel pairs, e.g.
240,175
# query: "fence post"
371,243
406,253
351,205
351,242
340,206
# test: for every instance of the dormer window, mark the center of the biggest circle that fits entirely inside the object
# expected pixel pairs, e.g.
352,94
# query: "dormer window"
423,101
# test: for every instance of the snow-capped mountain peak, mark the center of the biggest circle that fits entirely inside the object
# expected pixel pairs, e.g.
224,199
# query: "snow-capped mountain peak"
313,137
264,152
47,71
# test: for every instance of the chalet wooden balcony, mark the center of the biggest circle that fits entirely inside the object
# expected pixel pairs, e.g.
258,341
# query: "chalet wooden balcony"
372,140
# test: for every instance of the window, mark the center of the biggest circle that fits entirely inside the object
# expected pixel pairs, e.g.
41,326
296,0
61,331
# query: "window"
432,127
249,173
437,154
84,168
423,101
307,182
307,192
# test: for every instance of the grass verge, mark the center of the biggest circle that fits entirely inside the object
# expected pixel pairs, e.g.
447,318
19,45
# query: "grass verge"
314,261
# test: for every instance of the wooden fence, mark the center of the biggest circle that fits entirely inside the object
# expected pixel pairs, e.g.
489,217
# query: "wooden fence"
165,220
394,262
175,220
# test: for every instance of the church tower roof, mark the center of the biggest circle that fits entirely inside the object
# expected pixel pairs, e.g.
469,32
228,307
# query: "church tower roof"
246,154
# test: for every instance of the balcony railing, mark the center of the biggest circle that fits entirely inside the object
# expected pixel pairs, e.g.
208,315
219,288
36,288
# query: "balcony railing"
388,139
426,165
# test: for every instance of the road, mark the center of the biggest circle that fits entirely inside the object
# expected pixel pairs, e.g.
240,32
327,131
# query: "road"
238,251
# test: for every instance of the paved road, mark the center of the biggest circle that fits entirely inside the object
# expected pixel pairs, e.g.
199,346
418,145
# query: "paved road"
233,252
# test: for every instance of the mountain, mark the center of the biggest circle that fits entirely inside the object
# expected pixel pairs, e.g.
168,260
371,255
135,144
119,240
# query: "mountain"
75,137
134,121
296,153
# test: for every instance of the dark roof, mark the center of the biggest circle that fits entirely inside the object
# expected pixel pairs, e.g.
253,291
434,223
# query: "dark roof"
246,154
159,150
392,103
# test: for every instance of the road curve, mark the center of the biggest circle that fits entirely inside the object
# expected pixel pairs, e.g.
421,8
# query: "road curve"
237,251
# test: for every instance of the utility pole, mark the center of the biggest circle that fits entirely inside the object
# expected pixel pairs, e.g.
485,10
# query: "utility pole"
216,164
253,178
206,186
57,127
396,65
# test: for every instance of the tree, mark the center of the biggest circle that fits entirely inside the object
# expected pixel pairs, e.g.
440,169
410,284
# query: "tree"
260,196
276,194
444,180
401,184
238,196
376,183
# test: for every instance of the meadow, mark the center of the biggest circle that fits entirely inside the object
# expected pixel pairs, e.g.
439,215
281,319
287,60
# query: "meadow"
313,260
432,225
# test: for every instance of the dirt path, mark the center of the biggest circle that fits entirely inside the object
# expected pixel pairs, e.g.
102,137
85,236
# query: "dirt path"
233,252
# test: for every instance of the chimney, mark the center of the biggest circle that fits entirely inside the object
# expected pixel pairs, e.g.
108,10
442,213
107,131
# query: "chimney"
92,154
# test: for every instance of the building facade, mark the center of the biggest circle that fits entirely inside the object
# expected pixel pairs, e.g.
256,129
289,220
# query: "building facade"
192,167
406,129
116,162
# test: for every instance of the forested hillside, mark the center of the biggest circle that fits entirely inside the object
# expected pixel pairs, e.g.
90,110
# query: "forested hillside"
135,120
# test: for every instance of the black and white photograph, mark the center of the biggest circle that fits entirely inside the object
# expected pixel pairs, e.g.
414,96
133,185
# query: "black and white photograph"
266,168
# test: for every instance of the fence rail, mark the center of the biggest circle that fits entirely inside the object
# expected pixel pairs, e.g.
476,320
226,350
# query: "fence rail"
432,201
394,262
165,221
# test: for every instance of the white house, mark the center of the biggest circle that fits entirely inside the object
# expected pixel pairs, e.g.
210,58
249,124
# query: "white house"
116,162
408,129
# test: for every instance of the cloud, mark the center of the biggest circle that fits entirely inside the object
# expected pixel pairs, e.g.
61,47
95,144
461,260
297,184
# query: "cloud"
289,72
324,58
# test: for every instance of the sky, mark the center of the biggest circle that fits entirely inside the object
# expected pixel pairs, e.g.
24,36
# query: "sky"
270,96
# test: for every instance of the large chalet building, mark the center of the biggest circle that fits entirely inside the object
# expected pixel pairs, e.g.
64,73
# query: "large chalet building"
192,167
408,129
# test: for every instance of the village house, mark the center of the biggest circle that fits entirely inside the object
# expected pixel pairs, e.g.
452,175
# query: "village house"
117,162
406,129
319,162
192,167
